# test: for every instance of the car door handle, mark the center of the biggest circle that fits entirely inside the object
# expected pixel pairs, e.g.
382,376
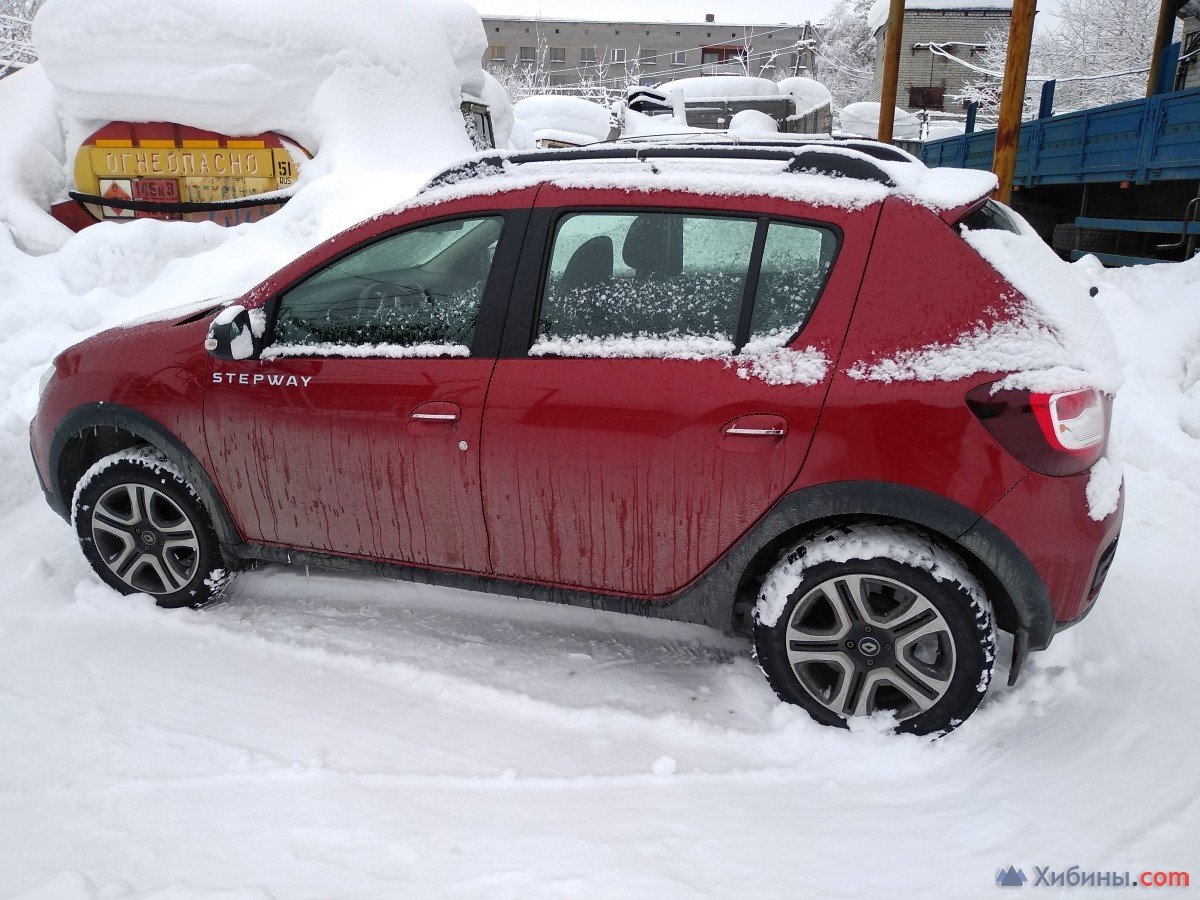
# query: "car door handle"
757,432
753,433
434,417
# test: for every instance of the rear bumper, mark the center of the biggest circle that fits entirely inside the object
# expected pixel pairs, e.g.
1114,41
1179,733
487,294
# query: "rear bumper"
1048,518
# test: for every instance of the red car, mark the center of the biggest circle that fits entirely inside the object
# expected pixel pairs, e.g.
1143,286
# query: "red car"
642,378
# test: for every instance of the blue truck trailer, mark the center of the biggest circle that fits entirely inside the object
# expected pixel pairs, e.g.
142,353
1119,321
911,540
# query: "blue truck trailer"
1121,182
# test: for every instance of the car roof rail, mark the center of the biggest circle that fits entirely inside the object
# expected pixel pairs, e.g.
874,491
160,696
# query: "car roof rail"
823,157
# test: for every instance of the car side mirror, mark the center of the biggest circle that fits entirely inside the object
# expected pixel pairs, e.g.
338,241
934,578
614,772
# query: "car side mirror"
231,335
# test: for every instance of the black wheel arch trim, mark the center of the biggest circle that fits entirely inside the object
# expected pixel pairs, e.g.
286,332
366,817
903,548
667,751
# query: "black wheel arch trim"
93,415
1018,592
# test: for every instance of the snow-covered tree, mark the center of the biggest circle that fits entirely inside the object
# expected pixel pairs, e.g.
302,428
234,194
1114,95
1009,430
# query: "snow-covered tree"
16,48
845,53
1111,38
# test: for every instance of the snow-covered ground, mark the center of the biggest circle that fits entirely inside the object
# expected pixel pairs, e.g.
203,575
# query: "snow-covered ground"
318,736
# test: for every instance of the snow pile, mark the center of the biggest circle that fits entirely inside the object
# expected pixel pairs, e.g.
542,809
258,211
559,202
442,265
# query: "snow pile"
722,87
274,65
570,120
808,95
938,130
863,119
31,161
374,91
751,121
636,124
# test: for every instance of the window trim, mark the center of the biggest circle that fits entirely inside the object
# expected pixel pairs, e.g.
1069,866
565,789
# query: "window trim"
533,279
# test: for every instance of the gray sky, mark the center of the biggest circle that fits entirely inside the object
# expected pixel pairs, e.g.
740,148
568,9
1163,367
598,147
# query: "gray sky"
740,12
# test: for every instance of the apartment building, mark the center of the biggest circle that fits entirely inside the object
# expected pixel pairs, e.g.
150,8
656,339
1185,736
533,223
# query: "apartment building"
567,54
932,31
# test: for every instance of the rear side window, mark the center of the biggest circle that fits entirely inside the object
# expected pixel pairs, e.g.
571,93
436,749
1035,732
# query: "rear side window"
646,275
795,265
992,216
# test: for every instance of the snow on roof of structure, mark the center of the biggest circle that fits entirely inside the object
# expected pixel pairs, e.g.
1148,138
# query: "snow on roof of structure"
584,120
712,87
273,65
863,119
878,15
807,93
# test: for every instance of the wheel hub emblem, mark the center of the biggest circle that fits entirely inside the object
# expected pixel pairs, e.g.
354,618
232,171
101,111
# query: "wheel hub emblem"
868,646
147,537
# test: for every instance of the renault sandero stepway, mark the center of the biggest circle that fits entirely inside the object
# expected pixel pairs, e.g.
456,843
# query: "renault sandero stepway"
730,384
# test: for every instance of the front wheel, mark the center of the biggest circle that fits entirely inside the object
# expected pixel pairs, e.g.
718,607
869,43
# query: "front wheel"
876,618
145,531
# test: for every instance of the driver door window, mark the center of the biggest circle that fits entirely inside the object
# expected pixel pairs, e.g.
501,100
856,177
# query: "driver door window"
416,293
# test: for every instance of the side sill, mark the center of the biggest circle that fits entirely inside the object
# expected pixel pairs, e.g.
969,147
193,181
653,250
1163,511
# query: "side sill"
673,609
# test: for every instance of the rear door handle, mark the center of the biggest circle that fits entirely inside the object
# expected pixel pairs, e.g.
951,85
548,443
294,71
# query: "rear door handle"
759,432
753,433
434,417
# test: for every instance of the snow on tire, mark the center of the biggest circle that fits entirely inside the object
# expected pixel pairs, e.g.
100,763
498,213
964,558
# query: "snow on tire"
867,619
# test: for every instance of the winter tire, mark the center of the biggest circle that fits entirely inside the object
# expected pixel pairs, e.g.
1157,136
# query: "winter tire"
144,530
876,618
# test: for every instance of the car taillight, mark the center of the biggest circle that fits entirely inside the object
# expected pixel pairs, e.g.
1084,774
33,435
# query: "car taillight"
1055,434
1073,420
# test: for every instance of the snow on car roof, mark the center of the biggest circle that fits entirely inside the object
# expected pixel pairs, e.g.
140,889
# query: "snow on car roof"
775,169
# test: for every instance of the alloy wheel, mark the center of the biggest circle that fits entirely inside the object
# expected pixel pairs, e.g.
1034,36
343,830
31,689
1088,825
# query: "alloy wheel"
861,644
145,538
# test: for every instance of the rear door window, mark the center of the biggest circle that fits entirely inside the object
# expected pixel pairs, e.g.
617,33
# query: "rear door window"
644,276
659,283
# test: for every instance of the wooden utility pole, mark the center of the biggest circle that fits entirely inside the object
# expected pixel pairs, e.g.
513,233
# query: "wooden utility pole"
1012,95
1162,37
891,70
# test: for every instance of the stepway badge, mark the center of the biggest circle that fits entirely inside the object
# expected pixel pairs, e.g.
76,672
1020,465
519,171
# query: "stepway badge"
1010,877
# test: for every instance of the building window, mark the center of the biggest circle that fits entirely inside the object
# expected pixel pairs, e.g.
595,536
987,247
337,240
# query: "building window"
679,58
529,54
649,57
709,55
926,98
587,54
496,53
616,55
558,54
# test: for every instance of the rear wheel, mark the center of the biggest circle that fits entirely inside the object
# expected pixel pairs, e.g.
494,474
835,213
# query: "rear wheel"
875,618
144,530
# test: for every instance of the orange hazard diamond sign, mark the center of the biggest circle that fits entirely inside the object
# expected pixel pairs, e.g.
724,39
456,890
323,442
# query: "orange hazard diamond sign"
116,189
